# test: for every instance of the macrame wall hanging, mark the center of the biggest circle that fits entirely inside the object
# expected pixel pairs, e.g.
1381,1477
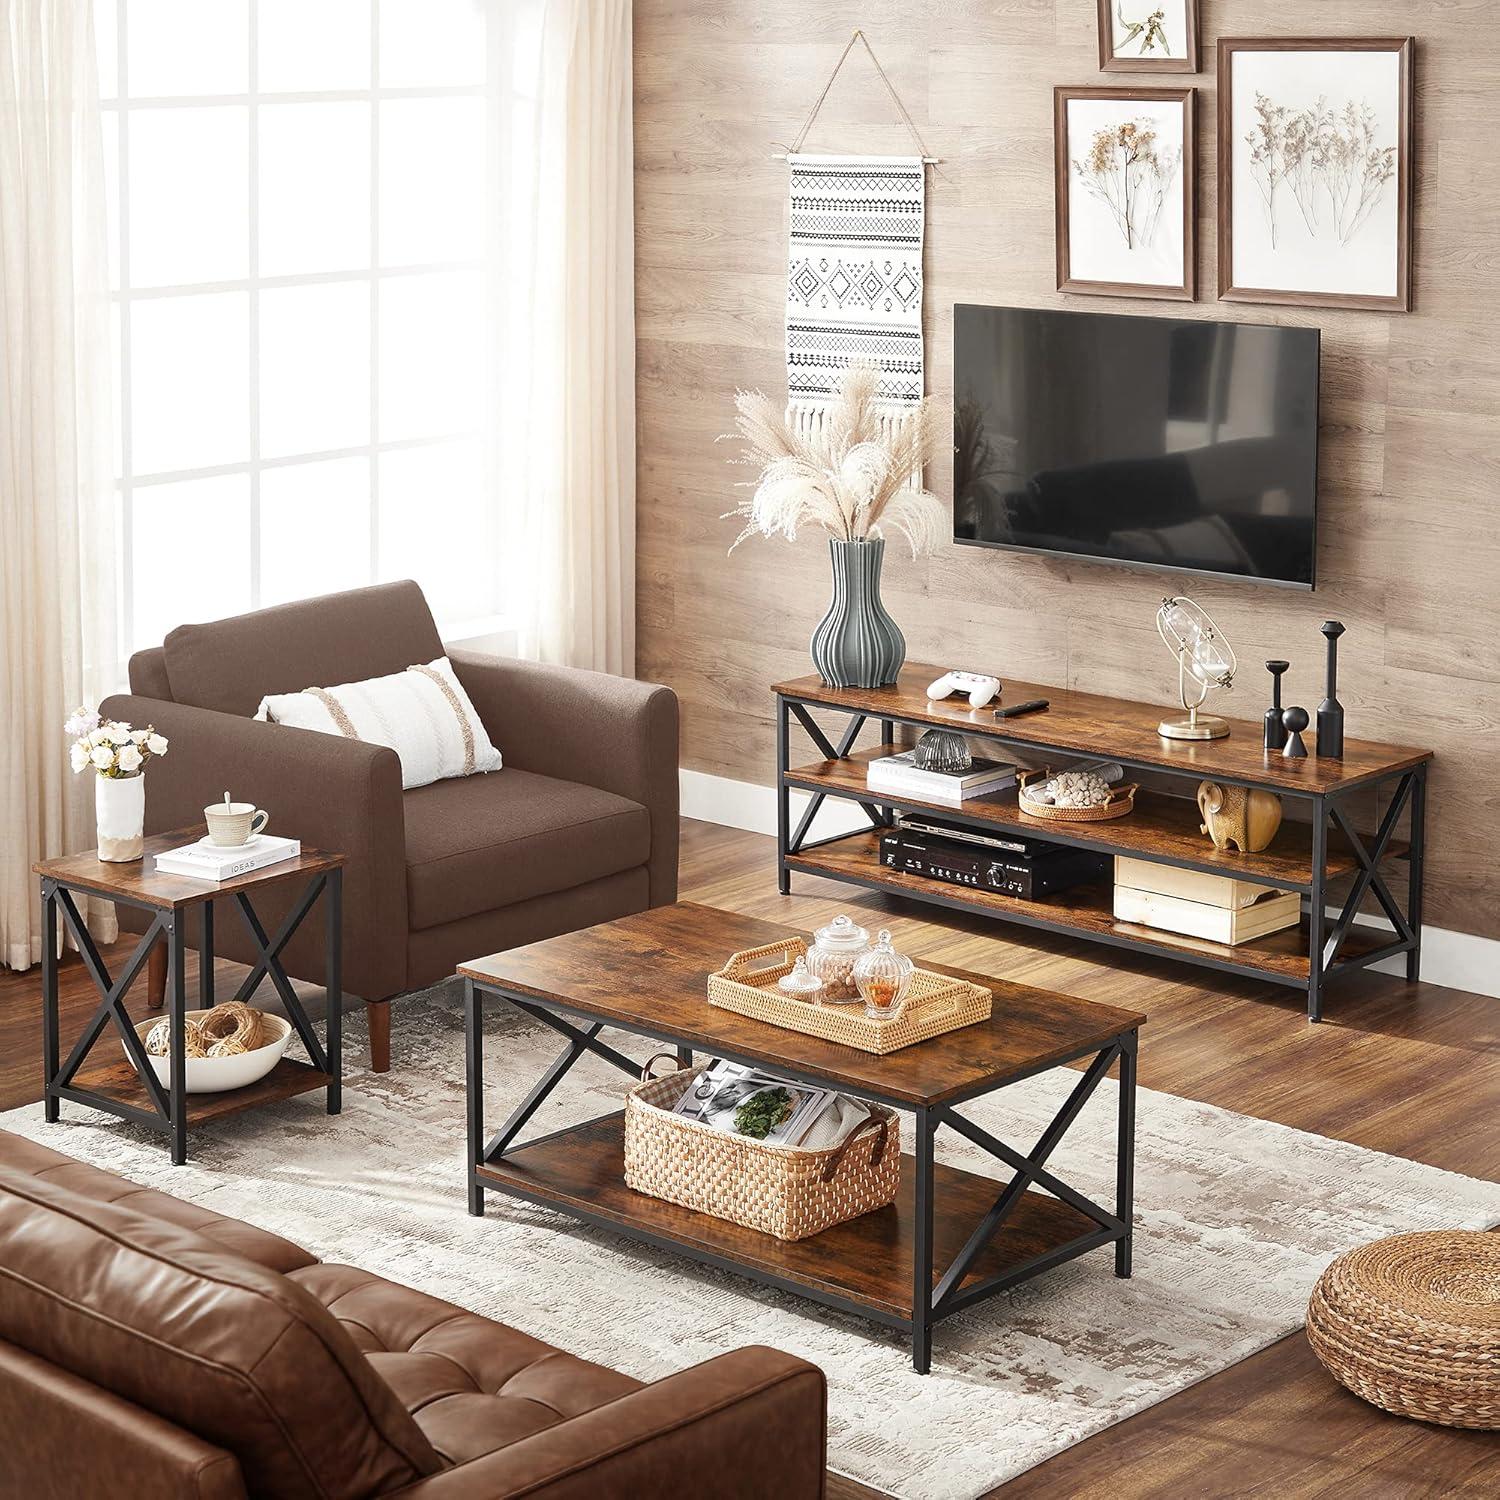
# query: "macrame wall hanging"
854,268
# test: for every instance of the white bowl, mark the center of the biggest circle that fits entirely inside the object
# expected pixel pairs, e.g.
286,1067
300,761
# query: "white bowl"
216,1075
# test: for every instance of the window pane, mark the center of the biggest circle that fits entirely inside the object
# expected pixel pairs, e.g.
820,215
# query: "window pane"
314,529
431,355
309,46
432,189
314,188
190,553
189,195
431,42
190,381
187,47
314,368
436,527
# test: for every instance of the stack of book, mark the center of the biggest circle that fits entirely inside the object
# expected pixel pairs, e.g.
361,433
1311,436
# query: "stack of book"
902,777
206,861
1197,904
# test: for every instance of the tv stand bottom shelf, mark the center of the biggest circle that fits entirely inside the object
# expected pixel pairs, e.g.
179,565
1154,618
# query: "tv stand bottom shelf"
1086,911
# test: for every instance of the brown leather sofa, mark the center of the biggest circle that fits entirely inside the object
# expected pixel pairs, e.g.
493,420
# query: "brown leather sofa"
579,827
150,1348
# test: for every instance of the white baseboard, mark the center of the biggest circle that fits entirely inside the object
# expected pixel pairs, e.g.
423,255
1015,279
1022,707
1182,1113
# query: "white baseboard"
1458,960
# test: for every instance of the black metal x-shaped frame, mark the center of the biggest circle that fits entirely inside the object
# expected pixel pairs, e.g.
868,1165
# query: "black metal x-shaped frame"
932,1299
1327,955
169,1108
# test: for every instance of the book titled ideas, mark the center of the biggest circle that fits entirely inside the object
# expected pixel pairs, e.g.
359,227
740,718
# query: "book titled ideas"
899,775
212,862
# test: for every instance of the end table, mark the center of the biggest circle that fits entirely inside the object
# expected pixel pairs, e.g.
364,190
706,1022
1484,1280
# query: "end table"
130,1088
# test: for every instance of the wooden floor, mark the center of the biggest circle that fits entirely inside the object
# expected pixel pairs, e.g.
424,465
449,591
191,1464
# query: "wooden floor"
1409,1069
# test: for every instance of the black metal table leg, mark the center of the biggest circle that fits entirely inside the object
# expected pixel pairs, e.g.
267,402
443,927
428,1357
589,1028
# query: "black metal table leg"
333,974
1317,910
783,799
1416,870
50,1058
474,1090
206,955
921,1246
1125,1153
177,1050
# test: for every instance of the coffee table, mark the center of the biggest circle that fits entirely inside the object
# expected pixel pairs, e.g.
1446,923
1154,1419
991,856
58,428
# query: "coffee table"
952,1238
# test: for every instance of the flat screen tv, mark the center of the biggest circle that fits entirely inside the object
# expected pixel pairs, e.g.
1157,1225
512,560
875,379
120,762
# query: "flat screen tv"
1169,443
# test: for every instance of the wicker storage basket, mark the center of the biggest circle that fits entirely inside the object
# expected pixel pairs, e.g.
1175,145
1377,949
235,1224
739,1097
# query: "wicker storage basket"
1412,1325
933,1004
780,1190
1121,801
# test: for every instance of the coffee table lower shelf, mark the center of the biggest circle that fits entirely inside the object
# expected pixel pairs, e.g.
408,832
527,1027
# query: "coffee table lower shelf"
863,1266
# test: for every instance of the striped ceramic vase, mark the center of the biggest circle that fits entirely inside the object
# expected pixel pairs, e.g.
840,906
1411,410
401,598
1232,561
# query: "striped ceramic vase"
858,644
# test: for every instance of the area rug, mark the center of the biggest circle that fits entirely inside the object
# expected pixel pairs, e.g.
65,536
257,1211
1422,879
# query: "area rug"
1235,1219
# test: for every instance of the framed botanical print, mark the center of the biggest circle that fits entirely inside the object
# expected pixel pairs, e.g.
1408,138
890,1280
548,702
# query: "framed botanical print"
1126,198
1148,36
1315,171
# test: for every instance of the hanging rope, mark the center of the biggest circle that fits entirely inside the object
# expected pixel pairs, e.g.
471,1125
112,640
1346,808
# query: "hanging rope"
859,36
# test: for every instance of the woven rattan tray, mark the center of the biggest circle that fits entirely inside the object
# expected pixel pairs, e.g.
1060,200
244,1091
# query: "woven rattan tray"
934,1004
1121,801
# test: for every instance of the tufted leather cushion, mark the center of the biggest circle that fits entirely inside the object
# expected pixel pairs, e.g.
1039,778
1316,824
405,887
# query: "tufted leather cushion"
17,1154
208,1340
473,1385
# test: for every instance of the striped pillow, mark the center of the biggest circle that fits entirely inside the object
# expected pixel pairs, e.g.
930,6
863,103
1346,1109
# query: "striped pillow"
423,714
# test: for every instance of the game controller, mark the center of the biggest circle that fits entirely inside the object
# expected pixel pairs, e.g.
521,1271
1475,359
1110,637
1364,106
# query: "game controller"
979,687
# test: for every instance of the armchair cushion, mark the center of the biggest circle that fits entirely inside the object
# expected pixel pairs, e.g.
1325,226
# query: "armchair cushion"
230,665
472,1385
485,842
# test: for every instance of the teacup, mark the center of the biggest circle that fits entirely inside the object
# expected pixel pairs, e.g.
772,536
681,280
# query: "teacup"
231,824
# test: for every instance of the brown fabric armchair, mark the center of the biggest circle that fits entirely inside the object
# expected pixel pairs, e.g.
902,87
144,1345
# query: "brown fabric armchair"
149,1347
579,827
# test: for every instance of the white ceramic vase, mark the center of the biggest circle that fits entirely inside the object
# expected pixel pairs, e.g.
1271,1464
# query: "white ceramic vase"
120,812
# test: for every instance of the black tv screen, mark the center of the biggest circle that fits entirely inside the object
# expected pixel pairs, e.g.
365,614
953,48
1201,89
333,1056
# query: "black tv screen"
1161,442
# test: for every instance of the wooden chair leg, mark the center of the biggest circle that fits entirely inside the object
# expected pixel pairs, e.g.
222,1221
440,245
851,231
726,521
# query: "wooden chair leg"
379,1014
156,976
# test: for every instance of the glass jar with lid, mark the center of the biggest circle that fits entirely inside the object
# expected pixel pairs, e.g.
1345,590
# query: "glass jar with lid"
832,957
801,983
882,977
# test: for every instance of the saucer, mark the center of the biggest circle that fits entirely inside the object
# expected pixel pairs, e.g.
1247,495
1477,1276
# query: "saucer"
206,842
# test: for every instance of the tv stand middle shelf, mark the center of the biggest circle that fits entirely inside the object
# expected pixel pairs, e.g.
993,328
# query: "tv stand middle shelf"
1326,860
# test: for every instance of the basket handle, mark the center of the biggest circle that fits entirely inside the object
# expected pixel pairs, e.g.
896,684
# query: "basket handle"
883,1125
647,1076
1122,793
753,961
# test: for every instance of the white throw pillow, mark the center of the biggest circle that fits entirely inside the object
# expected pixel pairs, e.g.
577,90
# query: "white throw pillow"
423,714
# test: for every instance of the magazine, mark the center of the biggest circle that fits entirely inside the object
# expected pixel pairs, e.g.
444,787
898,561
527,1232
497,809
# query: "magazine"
785,1111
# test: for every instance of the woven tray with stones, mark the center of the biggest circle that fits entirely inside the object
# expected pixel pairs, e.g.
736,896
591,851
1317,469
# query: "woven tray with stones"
785,1191
934,1003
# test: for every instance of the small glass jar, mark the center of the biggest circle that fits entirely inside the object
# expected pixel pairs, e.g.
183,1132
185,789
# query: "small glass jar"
883,977
800,984
832,956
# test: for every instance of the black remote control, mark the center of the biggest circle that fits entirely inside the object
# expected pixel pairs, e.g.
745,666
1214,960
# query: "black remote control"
1034,707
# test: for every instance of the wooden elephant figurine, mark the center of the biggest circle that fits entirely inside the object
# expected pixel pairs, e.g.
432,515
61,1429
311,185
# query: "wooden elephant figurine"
1237,817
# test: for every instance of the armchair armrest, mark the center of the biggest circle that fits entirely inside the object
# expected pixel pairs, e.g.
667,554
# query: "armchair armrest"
608,732
756,1420
332,793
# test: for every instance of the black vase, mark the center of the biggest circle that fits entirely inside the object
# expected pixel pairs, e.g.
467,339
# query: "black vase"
1330,710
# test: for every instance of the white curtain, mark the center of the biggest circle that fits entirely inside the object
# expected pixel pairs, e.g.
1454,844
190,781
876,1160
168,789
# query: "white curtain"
563,462
57,534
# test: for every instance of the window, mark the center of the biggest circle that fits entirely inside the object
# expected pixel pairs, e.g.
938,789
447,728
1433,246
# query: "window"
297,195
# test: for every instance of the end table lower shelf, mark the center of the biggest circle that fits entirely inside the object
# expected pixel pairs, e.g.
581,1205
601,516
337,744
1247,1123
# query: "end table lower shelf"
121,1084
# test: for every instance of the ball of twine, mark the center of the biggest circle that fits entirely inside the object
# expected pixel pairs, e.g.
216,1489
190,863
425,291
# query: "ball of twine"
226,1031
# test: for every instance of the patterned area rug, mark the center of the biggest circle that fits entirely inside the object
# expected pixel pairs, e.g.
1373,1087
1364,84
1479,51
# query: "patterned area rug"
1235,1219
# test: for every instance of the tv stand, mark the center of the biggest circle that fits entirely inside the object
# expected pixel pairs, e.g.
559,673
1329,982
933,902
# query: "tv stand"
1322,856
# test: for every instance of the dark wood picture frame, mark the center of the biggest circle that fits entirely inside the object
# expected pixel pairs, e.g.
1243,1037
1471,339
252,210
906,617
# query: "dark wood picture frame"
1109,63
1229,290
1062,97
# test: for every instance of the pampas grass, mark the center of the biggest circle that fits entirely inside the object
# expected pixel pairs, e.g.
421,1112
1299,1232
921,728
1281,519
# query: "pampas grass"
849,477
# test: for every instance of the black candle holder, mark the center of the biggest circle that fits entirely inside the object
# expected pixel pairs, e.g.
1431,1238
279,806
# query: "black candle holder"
1295,720
1330,710
1275,730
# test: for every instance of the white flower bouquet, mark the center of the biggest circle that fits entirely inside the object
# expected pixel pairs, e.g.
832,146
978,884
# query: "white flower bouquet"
112,749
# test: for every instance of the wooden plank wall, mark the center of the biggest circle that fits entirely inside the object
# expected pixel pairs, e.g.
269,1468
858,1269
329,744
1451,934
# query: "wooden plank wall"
1410,538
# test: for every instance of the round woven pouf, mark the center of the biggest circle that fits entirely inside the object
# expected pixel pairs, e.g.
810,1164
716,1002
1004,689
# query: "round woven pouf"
1412,1324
